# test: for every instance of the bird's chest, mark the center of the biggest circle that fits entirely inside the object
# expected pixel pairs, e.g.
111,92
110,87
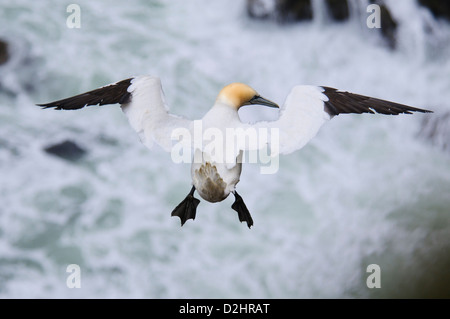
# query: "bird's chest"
208,182
214,181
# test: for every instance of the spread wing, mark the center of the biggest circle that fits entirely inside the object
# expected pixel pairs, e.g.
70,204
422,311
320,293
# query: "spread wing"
109,94
307,108
142,101
344,103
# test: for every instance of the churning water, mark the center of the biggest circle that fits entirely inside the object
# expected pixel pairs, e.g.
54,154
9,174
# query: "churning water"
367,190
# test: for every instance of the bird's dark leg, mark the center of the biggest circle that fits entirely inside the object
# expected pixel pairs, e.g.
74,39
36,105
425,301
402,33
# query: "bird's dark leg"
187,208
243,213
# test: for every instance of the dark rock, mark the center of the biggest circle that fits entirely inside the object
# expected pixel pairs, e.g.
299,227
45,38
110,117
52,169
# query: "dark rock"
388,27
21,67
4,54
293,10
338,9
259,9
67,150
283,11
437,130
439,8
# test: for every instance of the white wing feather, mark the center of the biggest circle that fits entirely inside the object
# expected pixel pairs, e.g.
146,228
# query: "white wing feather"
301,117
148,113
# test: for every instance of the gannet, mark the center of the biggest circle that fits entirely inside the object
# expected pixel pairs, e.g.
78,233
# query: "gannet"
305,110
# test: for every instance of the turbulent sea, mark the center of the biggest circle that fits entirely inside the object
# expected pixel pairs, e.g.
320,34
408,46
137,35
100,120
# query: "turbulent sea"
369,189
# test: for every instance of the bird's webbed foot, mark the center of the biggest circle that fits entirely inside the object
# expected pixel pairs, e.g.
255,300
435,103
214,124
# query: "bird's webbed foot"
243,213
187,208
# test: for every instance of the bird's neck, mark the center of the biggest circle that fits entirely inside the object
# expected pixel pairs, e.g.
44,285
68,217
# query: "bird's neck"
221,115
231,103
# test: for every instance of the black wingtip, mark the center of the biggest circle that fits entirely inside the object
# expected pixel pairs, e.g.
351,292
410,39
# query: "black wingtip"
340,102
110,94
416,110
48,106
57,107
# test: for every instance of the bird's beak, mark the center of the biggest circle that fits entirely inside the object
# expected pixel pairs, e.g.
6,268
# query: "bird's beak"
262,101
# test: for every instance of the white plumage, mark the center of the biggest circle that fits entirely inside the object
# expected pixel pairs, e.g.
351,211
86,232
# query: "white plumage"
148,115
216,167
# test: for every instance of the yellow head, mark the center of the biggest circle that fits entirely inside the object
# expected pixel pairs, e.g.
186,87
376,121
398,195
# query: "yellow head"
237,95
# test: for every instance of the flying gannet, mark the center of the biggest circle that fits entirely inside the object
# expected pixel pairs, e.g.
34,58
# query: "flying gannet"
305,110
